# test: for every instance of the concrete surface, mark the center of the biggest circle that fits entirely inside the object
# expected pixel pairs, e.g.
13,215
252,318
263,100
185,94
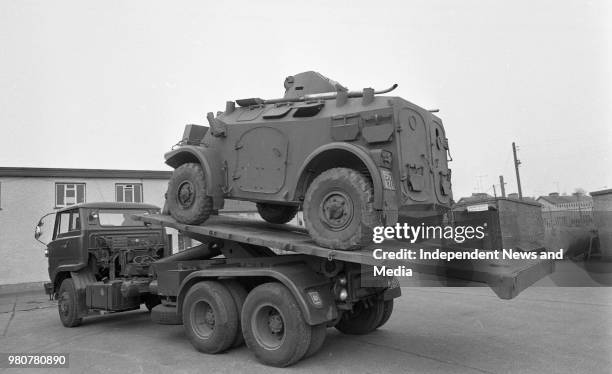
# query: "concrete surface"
432,330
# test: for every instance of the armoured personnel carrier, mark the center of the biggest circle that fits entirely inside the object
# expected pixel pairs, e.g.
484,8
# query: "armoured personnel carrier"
351,160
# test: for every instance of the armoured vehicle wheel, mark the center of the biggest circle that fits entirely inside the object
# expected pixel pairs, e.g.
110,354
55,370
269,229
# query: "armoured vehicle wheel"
338,209
210,317
387,311
274,327
239,294
166,315
275,213
186,197
363,319
67,304
319,332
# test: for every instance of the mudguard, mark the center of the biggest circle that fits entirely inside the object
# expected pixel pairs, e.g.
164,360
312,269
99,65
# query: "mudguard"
311,290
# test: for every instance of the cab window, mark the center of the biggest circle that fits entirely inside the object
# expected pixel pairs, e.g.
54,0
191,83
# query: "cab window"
68,224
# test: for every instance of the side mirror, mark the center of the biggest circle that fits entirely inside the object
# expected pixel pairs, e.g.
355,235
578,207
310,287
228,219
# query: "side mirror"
38,231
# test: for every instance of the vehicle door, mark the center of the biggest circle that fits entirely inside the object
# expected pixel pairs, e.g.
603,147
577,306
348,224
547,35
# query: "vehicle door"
65,249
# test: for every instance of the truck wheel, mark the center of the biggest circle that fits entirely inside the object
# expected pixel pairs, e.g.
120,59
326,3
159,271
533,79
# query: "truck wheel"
387,310
319,332
275,213
166,315
273,325
210,317
338,209
186,196
239,294
67,304
362,319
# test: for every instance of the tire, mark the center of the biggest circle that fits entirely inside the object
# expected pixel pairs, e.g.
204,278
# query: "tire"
387,311
166,315
210,317
187,198
339,211
362,320
275,213
319,332
67,304
273,325
239,294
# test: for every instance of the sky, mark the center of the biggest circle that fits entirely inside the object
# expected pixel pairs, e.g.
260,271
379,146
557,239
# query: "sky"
111,84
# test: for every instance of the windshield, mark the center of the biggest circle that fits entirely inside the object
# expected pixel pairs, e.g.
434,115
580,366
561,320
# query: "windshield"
120,217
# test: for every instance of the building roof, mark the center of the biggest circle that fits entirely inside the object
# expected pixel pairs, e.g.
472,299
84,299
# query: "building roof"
110,205
563,199
83,173
601,192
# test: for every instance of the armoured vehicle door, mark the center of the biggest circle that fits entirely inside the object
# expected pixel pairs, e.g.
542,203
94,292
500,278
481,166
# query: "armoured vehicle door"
261,160
415,156
441,172
65,248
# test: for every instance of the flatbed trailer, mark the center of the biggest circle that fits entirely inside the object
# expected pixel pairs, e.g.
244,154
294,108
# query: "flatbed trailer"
273,287
507,278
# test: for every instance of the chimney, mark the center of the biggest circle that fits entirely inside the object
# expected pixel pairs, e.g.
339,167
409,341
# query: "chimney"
553,194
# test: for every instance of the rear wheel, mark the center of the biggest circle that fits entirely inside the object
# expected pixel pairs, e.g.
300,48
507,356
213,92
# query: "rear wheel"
387,311
187,198
67,304
210,317
239,294
275,213
319,332
363,319
274,327
339,211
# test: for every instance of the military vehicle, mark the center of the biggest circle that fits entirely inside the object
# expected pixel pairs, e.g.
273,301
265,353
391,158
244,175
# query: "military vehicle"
350,160
99,258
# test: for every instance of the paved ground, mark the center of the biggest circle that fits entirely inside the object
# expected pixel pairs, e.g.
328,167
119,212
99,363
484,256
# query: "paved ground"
433,330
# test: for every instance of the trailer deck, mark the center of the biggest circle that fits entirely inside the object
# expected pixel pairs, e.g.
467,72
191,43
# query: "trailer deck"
507,278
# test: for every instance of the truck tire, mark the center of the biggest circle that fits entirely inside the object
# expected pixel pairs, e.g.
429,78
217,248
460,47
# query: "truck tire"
319,333
166,315
387,311
187,198
276,213
68,304
239,294
362,319
339,211
210,317
273,325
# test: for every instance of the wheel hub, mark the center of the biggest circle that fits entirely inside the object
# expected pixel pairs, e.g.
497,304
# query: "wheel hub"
337,210
275,323
186,194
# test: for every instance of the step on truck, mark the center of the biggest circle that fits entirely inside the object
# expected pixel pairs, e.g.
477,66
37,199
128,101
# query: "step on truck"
249,281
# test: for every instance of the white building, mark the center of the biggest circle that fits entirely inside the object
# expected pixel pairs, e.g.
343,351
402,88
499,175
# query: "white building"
28,193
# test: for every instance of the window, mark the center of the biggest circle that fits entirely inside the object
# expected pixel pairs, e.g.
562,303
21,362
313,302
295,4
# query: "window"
68,224
67,194
117,217
128,193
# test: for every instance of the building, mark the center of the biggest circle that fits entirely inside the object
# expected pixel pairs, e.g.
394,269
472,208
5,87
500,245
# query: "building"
576,202
26,194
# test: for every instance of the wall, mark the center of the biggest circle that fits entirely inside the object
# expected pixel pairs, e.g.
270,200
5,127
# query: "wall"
602,217
24,200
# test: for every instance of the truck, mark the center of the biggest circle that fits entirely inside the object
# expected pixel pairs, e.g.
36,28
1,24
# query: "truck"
248,281
349,160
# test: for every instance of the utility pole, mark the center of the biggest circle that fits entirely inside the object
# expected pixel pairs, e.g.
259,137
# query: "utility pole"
517,162
494,192
480,182
502,184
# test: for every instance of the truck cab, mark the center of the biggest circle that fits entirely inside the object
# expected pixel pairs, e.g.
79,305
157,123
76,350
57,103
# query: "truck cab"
98,248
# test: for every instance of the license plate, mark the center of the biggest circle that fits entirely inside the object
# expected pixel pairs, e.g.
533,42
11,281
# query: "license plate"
387,179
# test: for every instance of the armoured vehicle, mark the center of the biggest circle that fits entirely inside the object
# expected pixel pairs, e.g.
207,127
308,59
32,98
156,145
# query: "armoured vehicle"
350,160
99,258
